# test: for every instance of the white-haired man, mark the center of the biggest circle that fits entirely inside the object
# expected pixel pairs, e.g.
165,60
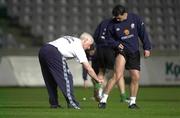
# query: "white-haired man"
55,71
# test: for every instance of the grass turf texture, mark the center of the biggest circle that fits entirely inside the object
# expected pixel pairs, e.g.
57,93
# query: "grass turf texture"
154,102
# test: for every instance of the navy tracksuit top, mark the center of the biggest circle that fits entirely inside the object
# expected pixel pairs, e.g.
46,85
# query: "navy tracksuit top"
100,34
126,32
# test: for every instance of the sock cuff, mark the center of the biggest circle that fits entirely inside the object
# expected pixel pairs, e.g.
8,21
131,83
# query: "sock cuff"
132,97
105,95
98,85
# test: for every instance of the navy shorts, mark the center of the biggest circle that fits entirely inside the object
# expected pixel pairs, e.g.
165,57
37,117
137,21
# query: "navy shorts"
132,59
105,57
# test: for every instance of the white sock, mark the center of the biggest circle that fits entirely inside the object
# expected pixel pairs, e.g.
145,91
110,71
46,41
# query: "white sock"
132,100
104,98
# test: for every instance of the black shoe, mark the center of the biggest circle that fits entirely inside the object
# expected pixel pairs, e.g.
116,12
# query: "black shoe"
73,107
133,106
102,105
56,106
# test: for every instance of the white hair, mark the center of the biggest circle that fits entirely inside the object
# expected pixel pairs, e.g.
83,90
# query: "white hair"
86,35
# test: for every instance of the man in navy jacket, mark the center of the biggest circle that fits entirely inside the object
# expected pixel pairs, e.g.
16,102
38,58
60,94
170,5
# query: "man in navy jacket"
123,36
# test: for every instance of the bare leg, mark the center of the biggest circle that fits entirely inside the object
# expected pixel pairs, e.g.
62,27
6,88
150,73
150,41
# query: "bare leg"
134,86
121,85
119,69
110,85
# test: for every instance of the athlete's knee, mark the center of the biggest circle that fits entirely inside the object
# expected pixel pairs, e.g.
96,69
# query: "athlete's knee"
135,75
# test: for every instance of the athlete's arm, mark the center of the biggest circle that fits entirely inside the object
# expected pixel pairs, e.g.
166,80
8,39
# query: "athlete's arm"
143,34
91,72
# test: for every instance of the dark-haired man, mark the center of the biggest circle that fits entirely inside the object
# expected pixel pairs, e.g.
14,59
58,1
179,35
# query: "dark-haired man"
124,33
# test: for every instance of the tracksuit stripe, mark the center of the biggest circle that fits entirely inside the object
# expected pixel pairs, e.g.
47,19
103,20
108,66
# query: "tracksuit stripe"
68,89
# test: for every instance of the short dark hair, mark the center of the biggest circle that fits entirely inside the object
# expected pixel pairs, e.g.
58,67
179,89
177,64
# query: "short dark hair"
118,10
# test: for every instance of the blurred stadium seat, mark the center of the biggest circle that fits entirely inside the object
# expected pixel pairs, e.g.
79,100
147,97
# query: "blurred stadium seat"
53,18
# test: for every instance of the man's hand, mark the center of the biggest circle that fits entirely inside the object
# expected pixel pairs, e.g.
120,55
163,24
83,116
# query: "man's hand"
100,80
146,53
121,46
91,72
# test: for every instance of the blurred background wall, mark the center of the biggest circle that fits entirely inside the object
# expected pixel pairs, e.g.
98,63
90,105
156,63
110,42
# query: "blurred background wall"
25,25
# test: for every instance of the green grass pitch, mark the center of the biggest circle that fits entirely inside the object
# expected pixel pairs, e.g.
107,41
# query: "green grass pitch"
154,102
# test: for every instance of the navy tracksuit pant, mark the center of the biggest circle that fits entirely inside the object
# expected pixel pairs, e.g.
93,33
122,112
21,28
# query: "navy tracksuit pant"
56,74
